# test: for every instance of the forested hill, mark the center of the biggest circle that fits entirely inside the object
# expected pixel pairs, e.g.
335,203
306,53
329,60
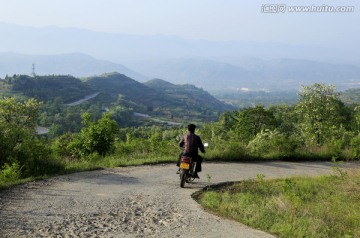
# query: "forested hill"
119,93
46,88
187,93
115,84
351,96
159,95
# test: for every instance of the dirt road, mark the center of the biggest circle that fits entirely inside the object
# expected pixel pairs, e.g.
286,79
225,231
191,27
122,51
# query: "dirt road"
144,201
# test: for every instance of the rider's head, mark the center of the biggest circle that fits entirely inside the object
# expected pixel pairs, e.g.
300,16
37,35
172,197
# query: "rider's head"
191,127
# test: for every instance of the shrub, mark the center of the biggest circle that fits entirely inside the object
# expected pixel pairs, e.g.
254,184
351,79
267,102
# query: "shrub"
269,143
61,145
40,161
232,150
99,136
10,173
355,147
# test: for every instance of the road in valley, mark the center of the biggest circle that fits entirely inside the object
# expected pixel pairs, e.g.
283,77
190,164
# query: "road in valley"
86,98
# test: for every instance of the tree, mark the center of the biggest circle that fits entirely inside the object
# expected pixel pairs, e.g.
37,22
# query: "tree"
18,138
285,119
98,136
319,111
250,121
17,127
357,118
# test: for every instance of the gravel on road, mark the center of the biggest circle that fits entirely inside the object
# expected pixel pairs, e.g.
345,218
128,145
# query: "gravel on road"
143,201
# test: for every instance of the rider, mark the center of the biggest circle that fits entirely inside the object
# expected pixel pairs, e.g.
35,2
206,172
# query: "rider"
191,143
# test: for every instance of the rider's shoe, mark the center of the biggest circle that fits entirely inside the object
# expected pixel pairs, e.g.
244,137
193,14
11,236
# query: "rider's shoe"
178,172
195,175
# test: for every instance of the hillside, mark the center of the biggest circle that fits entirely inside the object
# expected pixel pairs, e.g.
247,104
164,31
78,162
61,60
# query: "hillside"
207,74
188,94
160,97
118,94
351,96
118,84
46,88
224,74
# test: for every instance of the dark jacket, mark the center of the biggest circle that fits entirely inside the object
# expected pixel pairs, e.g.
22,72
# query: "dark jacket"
191,144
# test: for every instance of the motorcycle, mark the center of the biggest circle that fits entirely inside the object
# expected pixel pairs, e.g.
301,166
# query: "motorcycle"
187,169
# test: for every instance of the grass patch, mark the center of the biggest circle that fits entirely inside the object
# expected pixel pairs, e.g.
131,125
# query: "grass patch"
93,162
98,162
8,184
325,206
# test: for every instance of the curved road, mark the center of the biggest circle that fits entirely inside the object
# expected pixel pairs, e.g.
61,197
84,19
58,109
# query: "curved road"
143,201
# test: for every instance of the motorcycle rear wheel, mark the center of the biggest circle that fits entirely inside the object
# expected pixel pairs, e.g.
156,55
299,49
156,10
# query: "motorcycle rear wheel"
183,175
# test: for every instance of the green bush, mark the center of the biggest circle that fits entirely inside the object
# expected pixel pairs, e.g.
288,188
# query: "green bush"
269,143
10,173
226,151
95,137
61,146
40,160
98,136
355,147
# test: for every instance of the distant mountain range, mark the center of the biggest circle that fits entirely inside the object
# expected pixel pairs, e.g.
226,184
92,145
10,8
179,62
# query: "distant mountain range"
247,73
123,48
252,74
211,65
75,64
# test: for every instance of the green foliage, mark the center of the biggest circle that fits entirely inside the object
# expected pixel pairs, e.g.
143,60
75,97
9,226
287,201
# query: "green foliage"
99,136
61,119
119,95
286,119
91,138
243,99
64,147
45,88
351,96
10,173
250,121
17,128
319,112
355,147
37,160
226,151
190,99
122,115
356,117
95,137
149,141
18,139
273,144
135,146
326,206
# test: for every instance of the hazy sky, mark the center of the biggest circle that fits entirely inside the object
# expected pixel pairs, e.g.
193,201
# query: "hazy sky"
241,20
